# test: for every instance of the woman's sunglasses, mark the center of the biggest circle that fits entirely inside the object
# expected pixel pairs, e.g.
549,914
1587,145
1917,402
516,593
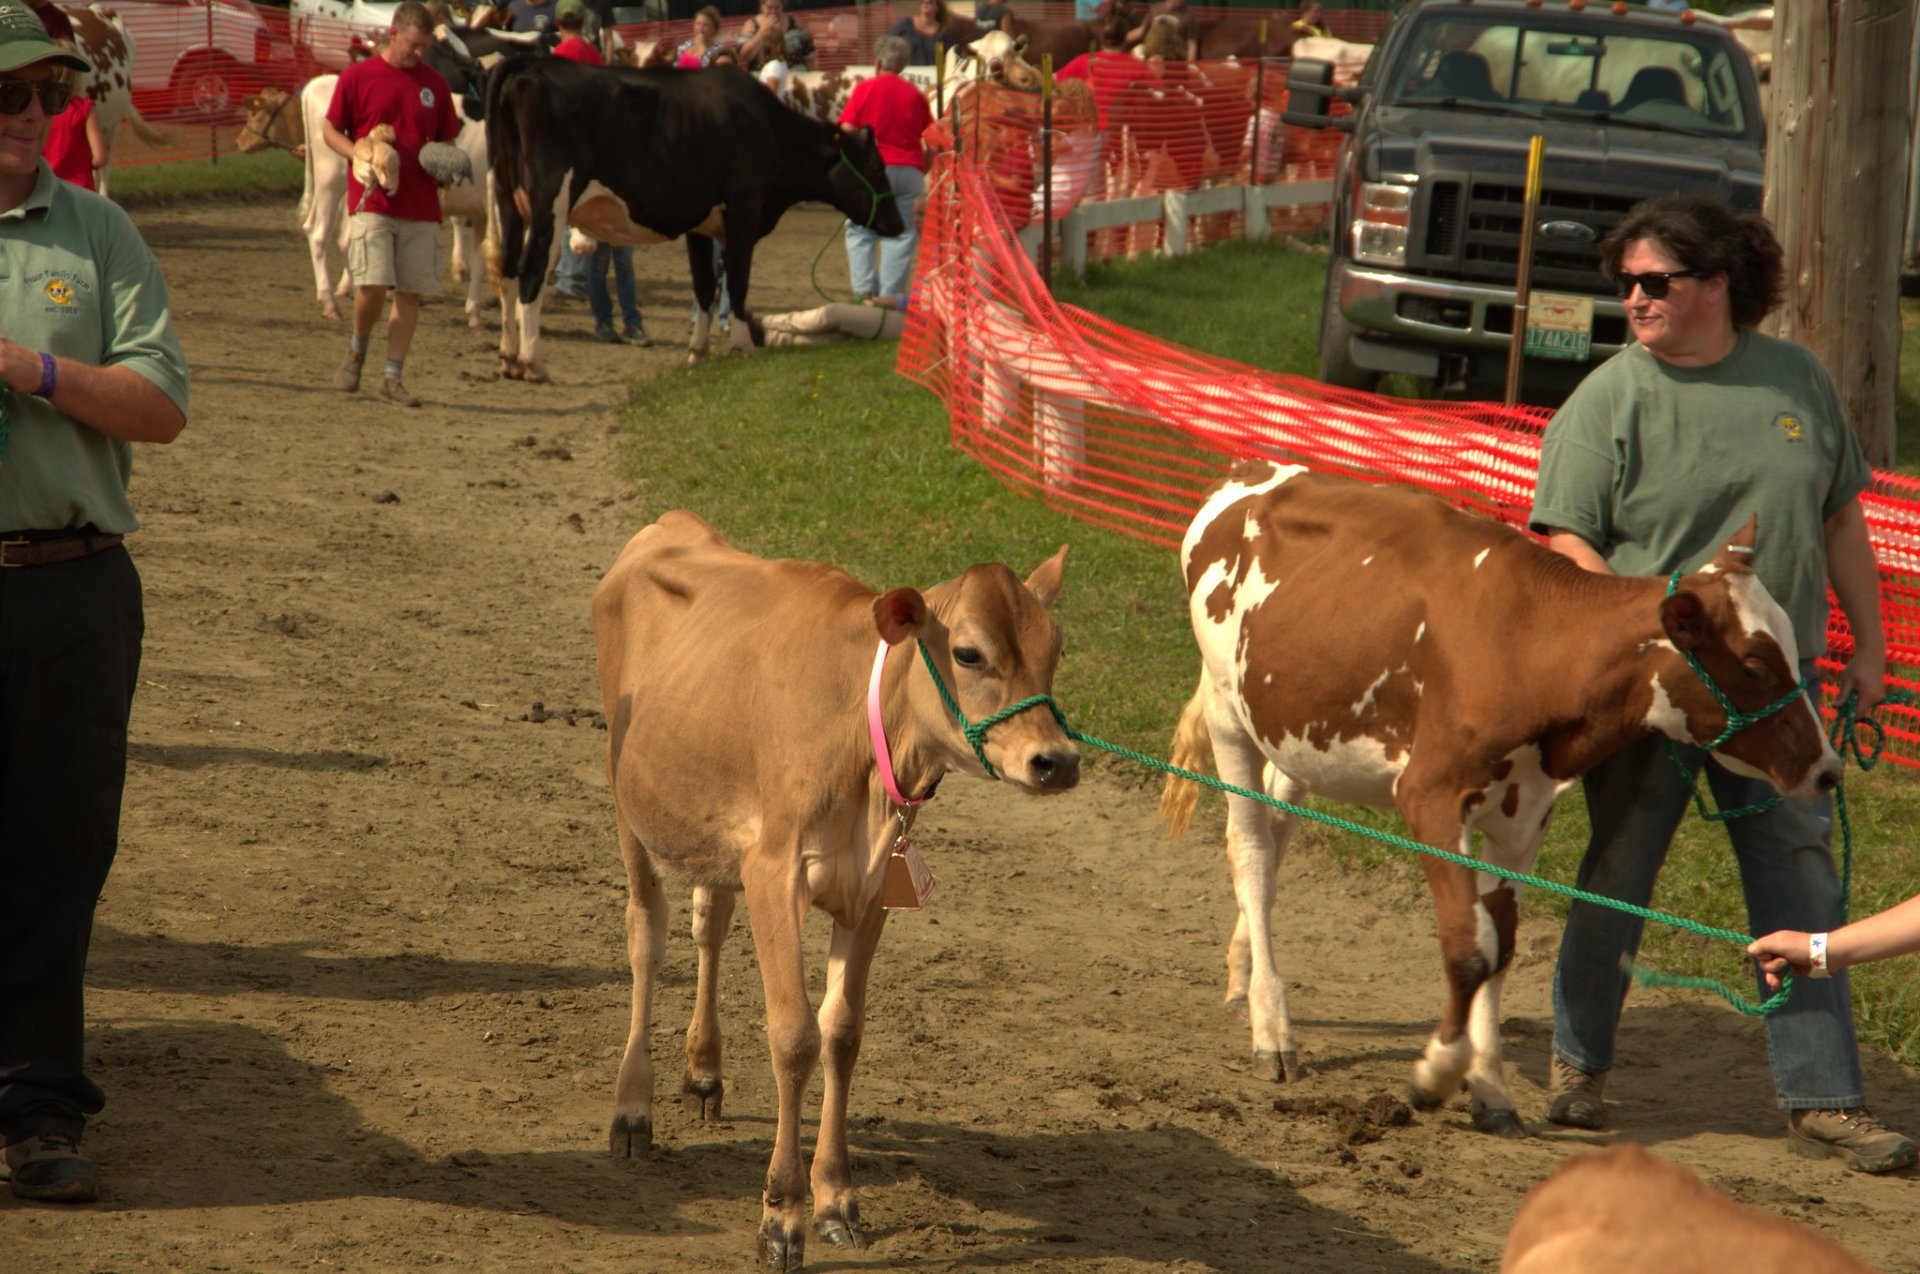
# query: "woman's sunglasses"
15,94
1653,284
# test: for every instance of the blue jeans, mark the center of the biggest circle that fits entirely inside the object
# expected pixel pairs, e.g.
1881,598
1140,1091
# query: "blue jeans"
896,254
597,298
571,274
1635,800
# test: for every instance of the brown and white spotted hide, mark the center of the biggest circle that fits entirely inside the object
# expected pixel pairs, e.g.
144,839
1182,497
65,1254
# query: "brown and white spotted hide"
995,56
1371,644
738,750
102,39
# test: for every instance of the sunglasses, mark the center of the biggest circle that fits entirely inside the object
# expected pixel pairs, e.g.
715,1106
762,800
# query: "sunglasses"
1653,284
53,94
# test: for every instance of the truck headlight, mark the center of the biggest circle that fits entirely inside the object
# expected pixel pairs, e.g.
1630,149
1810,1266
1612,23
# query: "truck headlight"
1382,212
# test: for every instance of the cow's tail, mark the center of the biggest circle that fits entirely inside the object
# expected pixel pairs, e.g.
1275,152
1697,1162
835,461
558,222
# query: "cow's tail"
505,229
1191,746
145,131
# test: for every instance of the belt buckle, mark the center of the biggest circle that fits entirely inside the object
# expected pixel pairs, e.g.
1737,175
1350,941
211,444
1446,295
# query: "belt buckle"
8,544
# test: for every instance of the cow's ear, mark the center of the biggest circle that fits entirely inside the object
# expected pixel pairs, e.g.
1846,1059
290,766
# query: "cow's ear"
1019,44
1685,618
899,614
1737,553
1044,583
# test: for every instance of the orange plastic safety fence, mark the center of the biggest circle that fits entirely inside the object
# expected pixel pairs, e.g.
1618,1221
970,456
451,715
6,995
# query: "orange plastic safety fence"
1126,431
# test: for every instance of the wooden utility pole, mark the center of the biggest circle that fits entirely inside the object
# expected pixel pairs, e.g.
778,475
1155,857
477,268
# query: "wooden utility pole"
1836,194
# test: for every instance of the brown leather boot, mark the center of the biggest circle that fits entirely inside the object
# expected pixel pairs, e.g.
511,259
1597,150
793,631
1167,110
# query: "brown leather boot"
1854,1135
1573,1096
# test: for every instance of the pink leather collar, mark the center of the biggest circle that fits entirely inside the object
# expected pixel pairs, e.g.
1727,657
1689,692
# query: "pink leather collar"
882,755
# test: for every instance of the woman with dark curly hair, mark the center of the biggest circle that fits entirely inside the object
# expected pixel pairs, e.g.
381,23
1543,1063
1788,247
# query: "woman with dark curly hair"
923,30
1656,461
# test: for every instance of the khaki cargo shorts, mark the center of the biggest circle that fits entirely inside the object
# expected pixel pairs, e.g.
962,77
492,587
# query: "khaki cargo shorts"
387,252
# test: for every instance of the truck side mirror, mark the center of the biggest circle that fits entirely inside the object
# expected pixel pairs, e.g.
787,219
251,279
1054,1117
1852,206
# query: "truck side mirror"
1309,94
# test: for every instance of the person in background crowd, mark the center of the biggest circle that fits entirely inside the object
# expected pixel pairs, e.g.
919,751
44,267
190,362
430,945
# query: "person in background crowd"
532,15
1893,932
76,145
923,32
393,242
897,113
697,50
989,15
773,42
878,318
570,20
1183,20
1309,22
1109,70
92,365
725,55
1620,492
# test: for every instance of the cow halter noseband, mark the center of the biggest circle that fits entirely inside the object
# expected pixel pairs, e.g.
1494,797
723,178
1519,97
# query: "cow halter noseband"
873,210
975,731
272,115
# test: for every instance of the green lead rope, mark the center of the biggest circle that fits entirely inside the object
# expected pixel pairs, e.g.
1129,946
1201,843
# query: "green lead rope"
1844,729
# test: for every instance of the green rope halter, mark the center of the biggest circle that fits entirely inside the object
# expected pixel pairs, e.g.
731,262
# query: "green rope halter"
976,731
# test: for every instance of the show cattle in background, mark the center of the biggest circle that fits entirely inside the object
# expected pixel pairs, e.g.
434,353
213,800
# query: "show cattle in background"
994,57
642,156
1476,676
102,39
749,706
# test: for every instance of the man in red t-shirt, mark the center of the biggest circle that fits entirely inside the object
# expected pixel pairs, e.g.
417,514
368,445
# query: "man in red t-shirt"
570,19
897,113
393,240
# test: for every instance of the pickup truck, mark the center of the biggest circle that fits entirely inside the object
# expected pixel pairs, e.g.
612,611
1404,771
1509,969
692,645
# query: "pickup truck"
1429,184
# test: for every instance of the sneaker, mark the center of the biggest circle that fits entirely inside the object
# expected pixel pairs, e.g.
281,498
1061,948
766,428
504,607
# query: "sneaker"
394,390
49,1166
605,334
1573,1096
637,335
347,380
1853,1135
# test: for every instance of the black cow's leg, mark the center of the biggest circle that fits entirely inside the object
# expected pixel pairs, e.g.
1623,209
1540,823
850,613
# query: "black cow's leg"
700,264
743,230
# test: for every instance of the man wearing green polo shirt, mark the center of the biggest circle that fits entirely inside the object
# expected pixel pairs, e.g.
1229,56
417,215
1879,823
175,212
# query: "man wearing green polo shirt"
90,365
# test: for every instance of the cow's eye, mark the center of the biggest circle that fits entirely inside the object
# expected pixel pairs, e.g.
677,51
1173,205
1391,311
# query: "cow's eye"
1754,670
967,657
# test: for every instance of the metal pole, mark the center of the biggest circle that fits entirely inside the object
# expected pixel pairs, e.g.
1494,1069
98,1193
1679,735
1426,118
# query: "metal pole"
213,133
1046,172
1522,288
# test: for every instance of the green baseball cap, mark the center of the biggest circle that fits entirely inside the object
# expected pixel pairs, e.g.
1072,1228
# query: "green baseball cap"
570,9
24,40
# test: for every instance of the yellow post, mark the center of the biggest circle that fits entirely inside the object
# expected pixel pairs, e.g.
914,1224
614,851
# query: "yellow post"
1530,212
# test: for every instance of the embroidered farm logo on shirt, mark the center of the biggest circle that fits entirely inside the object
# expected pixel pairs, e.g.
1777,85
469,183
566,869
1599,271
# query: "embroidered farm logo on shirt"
59,291
1789,424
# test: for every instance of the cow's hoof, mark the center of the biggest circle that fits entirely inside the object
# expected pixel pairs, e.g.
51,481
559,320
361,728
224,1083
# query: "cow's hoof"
1420,1099
781,1248
537,375
841,1228
1266,1065
708,1092
695,357
1501,1122
330,312
511,369
1234,1000
630,1137
1290,1062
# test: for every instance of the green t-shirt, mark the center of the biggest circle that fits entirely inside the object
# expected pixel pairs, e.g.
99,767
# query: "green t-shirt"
1657,466
76,280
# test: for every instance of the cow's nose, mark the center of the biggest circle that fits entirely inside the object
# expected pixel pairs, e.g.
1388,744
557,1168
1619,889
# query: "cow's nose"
1827,779
1055,771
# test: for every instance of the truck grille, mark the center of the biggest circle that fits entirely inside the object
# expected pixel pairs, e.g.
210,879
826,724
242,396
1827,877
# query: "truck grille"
1485,233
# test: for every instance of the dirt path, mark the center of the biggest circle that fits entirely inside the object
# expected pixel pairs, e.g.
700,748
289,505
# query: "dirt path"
359,985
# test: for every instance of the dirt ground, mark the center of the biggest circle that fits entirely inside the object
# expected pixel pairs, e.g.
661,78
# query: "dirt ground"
358,983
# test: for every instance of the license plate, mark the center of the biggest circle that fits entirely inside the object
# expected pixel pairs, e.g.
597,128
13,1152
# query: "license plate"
1559,326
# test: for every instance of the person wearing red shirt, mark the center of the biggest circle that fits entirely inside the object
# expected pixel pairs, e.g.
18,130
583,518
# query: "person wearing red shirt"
393,240
897,113
571,19
75,144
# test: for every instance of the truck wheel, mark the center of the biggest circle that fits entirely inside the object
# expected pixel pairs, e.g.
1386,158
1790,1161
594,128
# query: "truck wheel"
1337,367
207,85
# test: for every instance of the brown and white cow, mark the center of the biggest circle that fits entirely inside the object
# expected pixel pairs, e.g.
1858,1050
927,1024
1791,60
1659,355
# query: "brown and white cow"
1374,645
736,692
101,38
1622,1210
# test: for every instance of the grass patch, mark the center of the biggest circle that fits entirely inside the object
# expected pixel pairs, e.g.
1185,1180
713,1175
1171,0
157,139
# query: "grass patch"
263,174
825,453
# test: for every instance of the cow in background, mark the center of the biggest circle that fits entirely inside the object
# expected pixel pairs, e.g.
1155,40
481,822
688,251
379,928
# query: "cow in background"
1479,677
633,157
994,57
1624,1211
762,718
102,39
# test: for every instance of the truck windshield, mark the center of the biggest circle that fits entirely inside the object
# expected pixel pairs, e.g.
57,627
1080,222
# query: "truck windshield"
1647,79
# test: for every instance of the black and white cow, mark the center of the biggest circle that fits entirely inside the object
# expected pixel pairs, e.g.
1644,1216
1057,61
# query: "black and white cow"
642,156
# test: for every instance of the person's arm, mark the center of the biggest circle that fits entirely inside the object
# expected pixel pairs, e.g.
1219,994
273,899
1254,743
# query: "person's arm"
1895,931
96,142
1569,545
336,140
116,401
1856,583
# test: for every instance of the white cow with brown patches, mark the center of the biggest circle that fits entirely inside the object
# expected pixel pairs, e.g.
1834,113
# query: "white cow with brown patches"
102,39
1373,645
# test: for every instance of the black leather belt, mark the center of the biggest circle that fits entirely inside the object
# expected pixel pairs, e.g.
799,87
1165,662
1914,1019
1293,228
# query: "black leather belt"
46,548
